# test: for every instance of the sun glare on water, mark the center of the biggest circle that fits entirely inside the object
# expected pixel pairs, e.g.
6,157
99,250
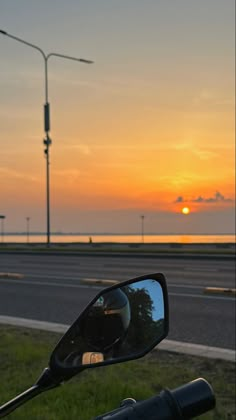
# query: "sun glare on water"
185,210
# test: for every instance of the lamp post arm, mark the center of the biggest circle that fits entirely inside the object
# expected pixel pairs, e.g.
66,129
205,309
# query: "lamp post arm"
24,42
68,57
45,57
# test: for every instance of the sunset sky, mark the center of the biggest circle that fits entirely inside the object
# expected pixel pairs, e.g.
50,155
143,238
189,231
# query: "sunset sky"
148,129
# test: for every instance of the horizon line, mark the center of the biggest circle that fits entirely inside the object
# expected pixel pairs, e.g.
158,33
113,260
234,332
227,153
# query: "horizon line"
117,233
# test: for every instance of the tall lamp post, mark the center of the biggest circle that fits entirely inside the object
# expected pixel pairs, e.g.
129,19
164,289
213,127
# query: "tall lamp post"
27,228
2,226
142,227
47,141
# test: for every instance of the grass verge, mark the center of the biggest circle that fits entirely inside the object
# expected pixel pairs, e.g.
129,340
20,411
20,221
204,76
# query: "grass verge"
24,353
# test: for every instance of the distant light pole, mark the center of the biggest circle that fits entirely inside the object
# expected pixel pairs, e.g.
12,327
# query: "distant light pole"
27,228
47,141
2,226
142,227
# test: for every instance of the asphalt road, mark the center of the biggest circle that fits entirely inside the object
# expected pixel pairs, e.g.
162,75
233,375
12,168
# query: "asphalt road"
51,291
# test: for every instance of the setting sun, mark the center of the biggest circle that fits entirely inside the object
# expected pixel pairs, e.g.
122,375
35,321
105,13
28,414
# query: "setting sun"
126,139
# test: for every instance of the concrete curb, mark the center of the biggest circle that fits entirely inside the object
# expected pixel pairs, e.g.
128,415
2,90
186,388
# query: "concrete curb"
167,345
198,350
125,254
11,276
220,290
34,324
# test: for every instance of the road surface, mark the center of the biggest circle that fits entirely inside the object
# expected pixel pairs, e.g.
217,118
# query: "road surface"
51,291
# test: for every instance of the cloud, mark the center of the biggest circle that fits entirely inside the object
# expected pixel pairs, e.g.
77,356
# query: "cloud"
72,174
12,174
217,198
205,154
81,148
202,153
211,98
179,199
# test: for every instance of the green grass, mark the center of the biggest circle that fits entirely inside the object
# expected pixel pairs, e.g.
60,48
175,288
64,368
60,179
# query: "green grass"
24,353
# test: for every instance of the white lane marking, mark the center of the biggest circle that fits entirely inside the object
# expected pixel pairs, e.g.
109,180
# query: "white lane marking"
185,286
202,296
188,286
181,286
69,285
50,284
193,274
52,276
201,269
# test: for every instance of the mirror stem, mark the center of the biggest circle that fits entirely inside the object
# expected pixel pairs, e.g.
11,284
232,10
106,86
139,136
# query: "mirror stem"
44,383
10,406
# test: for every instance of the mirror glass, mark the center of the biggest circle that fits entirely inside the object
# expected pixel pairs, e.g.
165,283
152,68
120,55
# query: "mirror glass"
121,323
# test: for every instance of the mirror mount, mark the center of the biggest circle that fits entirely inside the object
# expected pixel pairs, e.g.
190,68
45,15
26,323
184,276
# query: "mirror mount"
52,377
45,382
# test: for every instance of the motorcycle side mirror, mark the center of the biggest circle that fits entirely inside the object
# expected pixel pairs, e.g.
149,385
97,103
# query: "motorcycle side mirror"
122,322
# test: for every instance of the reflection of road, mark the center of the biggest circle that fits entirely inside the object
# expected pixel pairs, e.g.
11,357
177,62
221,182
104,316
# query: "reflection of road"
50,291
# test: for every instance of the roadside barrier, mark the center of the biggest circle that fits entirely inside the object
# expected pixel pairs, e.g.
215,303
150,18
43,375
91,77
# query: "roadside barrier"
220,290
11,276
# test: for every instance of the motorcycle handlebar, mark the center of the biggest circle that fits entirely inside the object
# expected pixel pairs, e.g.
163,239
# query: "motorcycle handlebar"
183,403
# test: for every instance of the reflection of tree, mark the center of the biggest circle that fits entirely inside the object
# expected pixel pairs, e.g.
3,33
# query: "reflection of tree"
88,334
143,330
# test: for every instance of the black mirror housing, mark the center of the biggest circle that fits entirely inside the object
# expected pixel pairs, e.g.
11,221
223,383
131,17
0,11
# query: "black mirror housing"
123,322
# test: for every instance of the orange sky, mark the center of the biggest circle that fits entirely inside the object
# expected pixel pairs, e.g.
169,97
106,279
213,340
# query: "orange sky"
127,133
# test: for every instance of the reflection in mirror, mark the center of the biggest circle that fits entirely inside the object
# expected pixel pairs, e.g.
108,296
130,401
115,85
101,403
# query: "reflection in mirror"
90,357
122,322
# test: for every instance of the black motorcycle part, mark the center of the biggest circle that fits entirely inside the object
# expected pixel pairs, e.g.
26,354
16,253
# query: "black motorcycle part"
183,403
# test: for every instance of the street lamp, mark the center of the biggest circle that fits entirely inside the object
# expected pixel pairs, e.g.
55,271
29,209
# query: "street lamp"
142,227
2,226
27,228
47,141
